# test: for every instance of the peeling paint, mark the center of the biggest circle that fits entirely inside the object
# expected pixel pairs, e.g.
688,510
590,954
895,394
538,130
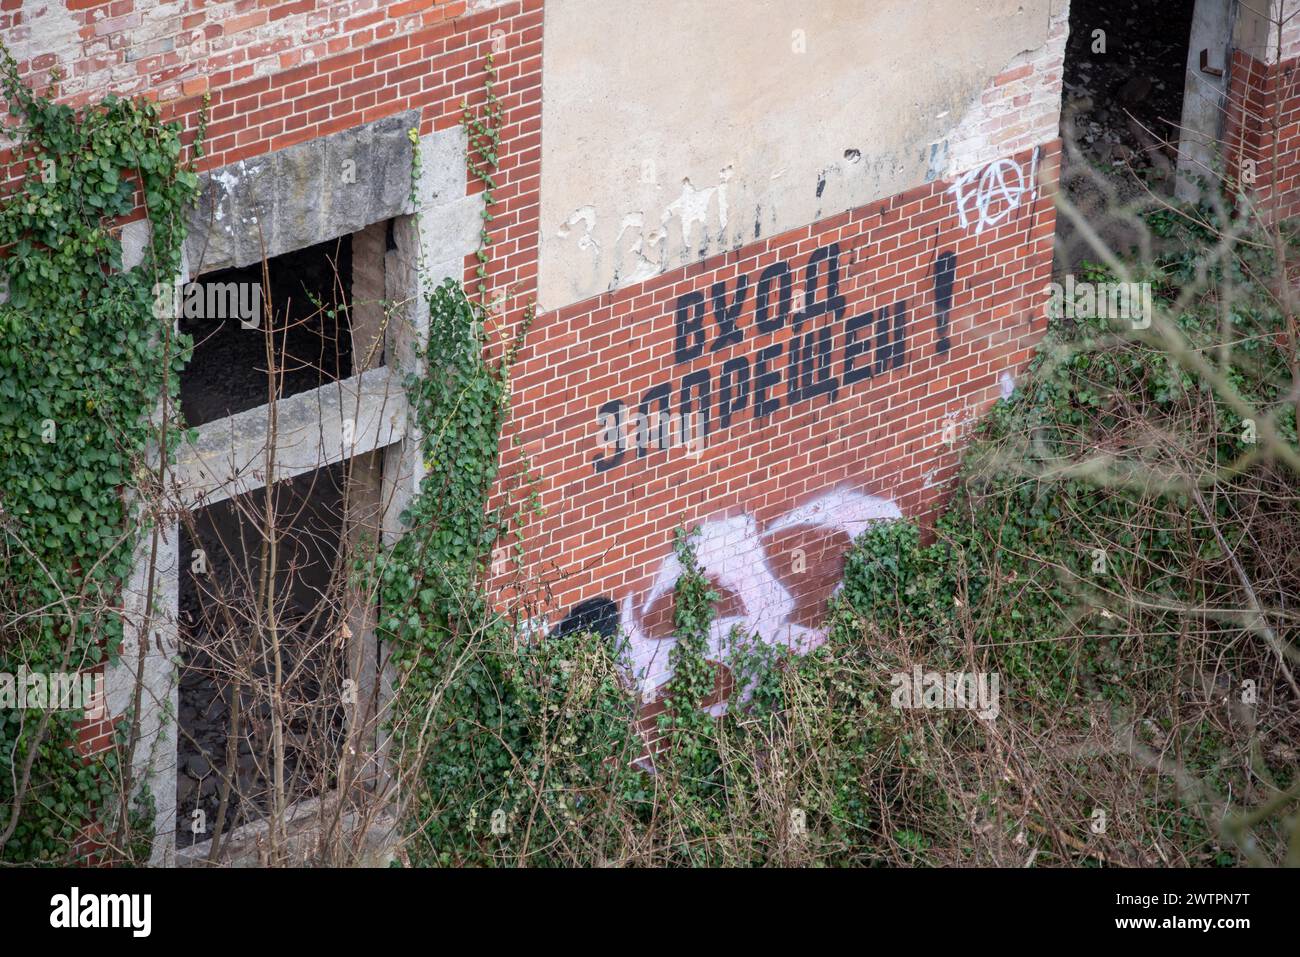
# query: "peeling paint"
938,161
698,220
692,207
587,216
52,28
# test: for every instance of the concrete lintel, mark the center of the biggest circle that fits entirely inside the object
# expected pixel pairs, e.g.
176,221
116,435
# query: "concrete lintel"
229,457
303,194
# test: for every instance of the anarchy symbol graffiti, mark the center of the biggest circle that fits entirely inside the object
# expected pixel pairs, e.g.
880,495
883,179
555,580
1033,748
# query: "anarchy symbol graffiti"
990,195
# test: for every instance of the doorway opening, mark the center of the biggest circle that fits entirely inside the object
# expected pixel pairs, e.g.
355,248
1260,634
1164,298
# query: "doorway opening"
1125,76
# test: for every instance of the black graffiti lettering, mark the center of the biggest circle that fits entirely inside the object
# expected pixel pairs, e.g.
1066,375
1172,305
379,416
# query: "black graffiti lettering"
597,615
945,274
777,271
891,353
699,382
793,392
815,375
726,317
659,396
711,400
611,419
855,347
833,301
690,326
735,373
765,380
900,333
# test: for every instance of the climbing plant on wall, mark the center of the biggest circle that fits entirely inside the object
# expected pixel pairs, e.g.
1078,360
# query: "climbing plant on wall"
483,130
435,614
84,367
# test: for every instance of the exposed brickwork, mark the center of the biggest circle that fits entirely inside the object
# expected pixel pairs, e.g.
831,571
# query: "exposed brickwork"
1262,128
95,735
607,530
172,49
430,59
1019,109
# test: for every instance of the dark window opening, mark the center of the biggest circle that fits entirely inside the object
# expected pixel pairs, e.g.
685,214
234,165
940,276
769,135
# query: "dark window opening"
1126,102
1122,104
305,317
230,633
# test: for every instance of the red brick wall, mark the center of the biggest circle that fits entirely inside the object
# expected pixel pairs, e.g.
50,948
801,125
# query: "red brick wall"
609,522
95,735
1263,125
272,86
136,47
433,68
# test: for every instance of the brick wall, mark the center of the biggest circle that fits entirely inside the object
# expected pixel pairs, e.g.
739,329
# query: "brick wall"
790,473
1262,133
1019,110
282,73
434,65
1262,123
94,735
838,367
835,367
171,49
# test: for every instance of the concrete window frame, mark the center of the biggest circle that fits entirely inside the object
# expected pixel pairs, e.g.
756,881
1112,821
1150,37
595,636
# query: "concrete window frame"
356,182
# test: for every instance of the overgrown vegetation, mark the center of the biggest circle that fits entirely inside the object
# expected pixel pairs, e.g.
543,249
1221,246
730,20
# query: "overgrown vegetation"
84,365
1119,550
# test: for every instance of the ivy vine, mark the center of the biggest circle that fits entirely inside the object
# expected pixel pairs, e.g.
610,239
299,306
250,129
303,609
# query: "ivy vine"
483,130
84,364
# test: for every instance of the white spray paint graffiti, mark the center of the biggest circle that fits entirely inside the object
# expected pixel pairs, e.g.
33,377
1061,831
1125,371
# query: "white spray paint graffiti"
733,551
997,192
